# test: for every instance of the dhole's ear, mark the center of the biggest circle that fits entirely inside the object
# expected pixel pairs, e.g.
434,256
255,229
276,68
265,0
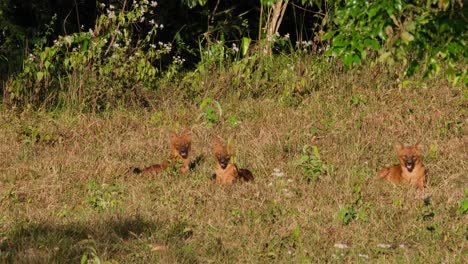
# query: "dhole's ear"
217,145
419,146
172,136
399,147
230,149
187,133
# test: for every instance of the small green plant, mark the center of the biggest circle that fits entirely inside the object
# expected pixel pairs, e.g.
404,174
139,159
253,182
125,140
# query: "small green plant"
358,99
432,153
209,114
347,214
356,209
313,167
463,208
103,196
233,121
90,255
31,134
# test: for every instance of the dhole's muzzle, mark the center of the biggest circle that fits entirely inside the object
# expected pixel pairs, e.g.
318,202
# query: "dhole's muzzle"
409,164
223,162
183,151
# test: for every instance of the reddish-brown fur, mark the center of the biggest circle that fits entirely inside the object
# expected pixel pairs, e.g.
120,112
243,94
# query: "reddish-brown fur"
410,170
180,150
227,172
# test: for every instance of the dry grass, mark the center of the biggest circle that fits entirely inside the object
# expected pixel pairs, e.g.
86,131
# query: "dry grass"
66,193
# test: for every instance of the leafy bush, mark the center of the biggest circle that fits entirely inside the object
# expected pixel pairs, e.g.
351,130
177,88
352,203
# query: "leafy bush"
412,33
92,70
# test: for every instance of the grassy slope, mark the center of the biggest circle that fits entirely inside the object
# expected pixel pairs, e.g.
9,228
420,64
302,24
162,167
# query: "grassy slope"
68,193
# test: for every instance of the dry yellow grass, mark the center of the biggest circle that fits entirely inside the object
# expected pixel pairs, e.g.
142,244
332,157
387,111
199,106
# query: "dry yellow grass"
66,192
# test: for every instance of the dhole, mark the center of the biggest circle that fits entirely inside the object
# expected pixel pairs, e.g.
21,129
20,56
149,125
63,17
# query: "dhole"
410,170
226,171
180,149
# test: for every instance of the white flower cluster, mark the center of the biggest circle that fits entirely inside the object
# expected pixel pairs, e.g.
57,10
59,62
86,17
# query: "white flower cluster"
178,60
235,48
304,43
166,46
156,25
31,57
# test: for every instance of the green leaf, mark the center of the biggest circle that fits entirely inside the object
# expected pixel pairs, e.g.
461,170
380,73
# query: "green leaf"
84,259
463,206
406,37
39,76
245,45
340,41
372,43
328,35
384,56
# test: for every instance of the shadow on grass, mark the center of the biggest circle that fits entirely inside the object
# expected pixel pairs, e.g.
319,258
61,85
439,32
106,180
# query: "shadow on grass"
50,243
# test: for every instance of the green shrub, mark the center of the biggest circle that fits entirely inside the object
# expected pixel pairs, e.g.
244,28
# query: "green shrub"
414,35
95,69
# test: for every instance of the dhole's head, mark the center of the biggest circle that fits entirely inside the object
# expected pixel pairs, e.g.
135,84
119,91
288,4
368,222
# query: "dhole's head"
409,156
222,153
181,143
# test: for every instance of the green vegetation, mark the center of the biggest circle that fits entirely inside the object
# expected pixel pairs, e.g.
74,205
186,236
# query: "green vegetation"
312,94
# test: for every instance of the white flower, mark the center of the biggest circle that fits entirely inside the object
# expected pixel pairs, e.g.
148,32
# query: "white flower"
287,35
151,21
111,14
235,48
152,46
339,245
161,26
277,173
68,40
384,245
115,45
178,60
111,7
153,3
